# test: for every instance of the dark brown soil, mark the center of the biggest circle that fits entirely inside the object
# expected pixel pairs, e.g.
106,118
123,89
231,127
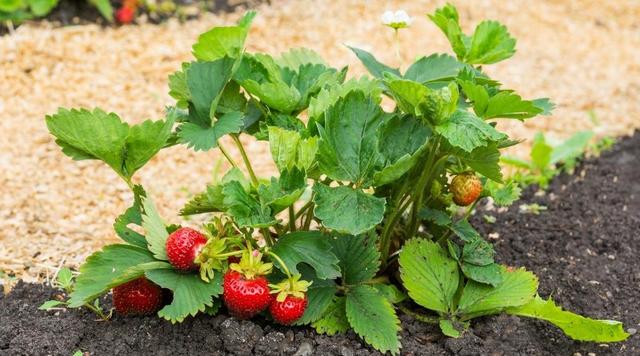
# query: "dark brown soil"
584,249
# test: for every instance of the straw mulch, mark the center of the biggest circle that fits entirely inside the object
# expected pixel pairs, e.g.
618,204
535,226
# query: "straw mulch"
583,54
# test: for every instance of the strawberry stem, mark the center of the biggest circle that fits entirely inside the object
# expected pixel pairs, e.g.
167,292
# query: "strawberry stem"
246,161
227,155
284,266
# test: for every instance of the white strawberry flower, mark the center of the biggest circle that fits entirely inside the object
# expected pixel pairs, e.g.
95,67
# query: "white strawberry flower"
396,20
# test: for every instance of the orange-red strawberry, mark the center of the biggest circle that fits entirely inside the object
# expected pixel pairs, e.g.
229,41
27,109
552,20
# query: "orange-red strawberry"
466,188
183,247
288,311
125,15
137,297
245,297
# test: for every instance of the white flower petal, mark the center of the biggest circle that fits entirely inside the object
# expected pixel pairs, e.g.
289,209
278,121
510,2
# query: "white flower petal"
387,17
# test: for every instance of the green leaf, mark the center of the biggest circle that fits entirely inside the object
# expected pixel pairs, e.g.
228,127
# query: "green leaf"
478,252
575,326
544,104
42,7
330,94
231,100
374,67
429,275
447,328
484,160
244,208
477,94
491,43
391,292
334,320
507,104
178,88
50,304
294,58
282,192
190,293
435,68
65,278
541,152
405,139
517,288
372,317
155,229
105,269
464,230
349,141
202,138
468,132
417,99
290,150
571,148
310,247
359,258
206,82
222,42
490,274
503,194
11,5
347,210
320,296
436,216
133,215
84,134
446,18
104,7
211,200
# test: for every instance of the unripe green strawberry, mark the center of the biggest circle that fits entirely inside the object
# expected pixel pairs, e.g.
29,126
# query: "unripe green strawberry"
466,188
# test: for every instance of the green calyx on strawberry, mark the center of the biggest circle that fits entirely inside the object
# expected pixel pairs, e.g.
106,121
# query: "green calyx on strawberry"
137,297
291,300
466,188
245,288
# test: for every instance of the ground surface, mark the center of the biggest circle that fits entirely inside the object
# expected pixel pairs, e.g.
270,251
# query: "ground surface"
583,248
583,54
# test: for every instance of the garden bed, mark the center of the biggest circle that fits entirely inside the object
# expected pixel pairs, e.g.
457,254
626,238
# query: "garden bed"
583,248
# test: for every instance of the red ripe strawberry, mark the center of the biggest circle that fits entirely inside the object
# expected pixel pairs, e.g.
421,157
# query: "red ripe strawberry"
466,188
183,247
245,297
137,297
125,15
289,310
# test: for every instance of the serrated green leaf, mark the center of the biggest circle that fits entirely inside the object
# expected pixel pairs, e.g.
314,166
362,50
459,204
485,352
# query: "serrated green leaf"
319,295
204,138
417,99
105,269
178,88
436,216
490,43
434,68
64,279
372,317
145,141
155,229
209,201
468,132
374,67
503,194
507,104
517,288
490,274
447,328
347,210
104,7
282,192
446,18
477,95
544,104
575,326
391,292
478,252
290,150
190,293
464,230
329,95
349,140
294,58
484,160
223,41
310,247
359,257
232,99
244,208
541,152
429,275
42,7
334,320
206,82
133,215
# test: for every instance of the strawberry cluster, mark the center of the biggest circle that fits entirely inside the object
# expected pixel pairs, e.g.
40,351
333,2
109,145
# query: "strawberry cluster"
246,290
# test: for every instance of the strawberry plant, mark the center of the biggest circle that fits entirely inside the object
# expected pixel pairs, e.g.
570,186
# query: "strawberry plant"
368,212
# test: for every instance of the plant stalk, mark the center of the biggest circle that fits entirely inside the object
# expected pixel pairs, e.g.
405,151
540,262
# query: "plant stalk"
246,161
